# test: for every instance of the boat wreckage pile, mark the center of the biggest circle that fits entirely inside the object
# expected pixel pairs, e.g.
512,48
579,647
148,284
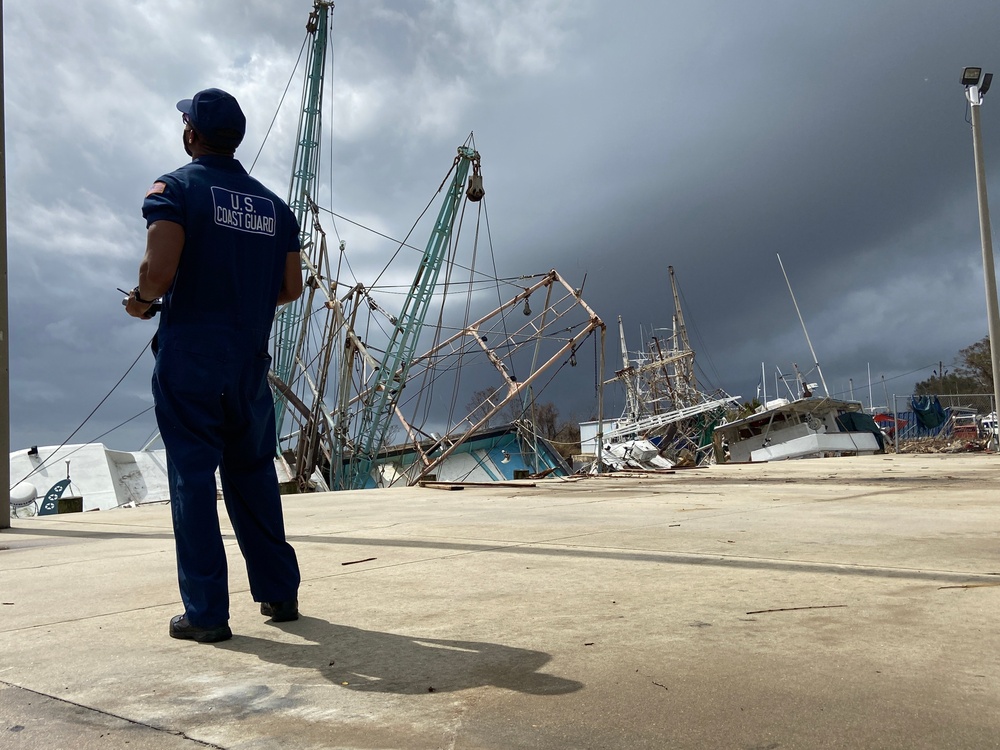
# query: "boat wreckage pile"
668,421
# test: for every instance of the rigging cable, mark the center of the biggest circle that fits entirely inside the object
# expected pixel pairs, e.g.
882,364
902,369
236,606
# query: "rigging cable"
280,103
404,243
503,313
333,63
698,335
481,210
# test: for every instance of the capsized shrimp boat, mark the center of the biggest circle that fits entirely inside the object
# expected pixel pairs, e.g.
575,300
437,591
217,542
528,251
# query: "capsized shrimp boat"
808,427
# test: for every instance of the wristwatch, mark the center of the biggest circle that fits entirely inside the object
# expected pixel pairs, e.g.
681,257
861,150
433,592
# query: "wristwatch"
135,295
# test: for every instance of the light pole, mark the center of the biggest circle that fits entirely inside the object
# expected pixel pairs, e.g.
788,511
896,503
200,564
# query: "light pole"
974,92
4,347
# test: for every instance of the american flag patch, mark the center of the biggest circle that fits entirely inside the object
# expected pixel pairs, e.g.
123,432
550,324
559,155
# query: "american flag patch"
158,187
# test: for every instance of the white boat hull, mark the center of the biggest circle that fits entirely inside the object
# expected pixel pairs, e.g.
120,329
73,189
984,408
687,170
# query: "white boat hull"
818,445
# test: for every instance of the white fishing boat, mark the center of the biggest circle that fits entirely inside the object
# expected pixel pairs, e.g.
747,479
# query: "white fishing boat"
812,427
806,426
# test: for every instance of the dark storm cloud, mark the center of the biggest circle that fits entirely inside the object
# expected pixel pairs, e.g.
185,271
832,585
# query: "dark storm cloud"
616,140
836,138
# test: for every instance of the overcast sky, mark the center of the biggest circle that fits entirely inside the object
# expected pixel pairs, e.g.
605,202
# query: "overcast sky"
617,139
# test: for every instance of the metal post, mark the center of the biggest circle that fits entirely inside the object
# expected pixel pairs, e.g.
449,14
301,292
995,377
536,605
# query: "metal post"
4,350
895,420
992,309
600,401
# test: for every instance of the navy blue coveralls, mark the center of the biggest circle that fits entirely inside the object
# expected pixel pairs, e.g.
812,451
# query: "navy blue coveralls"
214,407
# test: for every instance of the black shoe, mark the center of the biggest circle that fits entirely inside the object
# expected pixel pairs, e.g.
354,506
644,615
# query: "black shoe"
281,611
181,628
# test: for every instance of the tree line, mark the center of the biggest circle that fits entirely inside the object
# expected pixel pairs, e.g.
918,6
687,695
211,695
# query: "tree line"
973,373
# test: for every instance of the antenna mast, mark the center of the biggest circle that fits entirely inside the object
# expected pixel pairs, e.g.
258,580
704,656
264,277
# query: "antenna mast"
811,350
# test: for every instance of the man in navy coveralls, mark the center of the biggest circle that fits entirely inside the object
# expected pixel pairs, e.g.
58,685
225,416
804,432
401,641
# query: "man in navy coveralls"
222,251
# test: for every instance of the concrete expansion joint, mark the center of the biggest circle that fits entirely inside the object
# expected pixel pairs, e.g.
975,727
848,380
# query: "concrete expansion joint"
110,715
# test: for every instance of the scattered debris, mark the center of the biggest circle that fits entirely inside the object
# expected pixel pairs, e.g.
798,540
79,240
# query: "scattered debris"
969,586
943,445
462,485
793,609
355,562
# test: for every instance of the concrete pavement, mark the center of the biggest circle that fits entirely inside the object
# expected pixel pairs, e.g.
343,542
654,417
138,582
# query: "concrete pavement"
831,603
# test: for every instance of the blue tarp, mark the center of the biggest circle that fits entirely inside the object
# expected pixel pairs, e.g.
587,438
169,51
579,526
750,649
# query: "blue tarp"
929,413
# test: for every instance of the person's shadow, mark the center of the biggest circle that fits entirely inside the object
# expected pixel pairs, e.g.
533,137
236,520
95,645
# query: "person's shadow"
371,661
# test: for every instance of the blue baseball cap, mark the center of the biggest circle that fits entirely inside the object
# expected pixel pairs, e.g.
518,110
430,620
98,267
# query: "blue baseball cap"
217,116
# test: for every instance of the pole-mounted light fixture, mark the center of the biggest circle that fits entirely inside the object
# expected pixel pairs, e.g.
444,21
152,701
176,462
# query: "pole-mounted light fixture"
971,76
974,92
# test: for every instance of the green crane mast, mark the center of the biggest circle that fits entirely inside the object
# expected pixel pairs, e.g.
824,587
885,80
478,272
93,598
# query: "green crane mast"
383,394
302,190
350,458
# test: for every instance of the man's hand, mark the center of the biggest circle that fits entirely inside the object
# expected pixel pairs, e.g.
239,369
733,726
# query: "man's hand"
137,309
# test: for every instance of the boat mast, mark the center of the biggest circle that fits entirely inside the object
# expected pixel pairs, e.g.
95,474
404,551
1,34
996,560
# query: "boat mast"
628,376
811,350
681,328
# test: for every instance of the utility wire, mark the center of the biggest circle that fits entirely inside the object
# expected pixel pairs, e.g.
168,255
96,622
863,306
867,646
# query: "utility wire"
87,418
